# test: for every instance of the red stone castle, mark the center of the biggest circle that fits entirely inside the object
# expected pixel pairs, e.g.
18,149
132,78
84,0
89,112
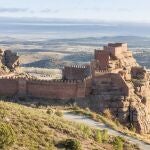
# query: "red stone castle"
112,80
78,81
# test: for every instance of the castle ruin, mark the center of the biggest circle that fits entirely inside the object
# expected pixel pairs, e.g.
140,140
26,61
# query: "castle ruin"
113,80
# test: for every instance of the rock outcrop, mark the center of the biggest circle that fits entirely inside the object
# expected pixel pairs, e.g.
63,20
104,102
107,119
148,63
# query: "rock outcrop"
9,62
122,86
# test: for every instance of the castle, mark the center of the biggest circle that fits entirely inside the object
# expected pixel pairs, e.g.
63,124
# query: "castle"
113,80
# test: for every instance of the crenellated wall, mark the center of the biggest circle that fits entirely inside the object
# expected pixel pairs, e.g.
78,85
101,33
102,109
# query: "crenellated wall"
8,86
103,59
110,84
57,89
76,72
54,89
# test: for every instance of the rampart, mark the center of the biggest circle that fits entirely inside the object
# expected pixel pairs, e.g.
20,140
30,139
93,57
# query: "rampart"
75,72
52,89
103,59
110,84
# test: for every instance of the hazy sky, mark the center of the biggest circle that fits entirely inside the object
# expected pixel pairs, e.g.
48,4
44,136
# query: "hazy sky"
108,10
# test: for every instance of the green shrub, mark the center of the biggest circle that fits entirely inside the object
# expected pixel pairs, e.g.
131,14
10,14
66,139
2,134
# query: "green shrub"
107,113
98,136
7,136
105,136
59,113
86,130
132,128
50,111
72,144
118,143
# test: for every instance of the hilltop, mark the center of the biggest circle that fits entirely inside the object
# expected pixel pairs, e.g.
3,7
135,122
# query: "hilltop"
37,128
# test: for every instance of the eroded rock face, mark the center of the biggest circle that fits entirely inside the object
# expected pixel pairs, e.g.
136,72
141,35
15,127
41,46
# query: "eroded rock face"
9,62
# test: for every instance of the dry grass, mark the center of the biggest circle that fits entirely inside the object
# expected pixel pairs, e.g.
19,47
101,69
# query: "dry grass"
112,124
36,129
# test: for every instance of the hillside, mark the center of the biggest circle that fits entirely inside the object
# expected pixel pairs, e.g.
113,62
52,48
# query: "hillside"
37,128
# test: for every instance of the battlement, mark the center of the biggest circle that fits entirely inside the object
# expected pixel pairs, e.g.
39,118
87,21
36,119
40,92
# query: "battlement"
57,89
55,81
108,78
117,44
103,71
77,66
74,78
76,72
116,49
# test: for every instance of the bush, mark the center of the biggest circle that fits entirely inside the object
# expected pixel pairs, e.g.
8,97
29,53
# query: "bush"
59,113
118,143
72,144
50,111
86,130
7,136
94,116
107,113
132,128
98,136
105,136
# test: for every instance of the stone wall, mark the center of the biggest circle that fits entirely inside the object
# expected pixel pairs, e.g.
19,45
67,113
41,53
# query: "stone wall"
8,87
76,72
103,59
110,84
57,89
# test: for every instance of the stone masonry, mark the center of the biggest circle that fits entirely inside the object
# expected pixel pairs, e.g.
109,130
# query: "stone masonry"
113,80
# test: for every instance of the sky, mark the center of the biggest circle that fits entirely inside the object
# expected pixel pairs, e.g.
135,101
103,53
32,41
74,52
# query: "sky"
105,10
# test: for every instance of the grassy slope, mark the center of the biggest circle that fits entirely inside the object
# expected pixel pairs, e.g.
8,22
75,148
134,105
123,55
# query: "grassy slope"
112,123
35,129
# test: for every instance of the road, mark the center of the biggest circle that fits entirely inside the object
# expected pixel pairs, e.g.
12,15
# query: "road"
100,125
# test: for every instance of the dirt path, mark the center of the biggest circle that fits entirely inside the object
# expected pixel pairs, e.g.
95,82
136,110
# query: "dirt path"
94,124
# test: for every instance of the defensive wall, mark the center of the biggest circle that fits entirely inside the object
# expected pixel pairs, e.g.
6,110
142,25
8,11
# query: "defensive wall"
107,83
77,81
51,89
76,72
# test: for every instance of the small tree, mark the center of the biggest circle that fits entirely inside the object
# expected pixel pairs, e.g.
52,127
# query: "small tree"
7,136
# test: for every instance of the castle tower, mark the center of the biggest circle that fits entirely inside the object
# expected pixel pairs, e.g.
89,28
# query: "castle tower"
22,87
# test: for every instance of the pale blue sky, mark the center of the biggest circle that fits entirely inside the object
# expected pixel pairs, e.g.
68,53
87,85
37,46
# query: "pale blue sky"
108,10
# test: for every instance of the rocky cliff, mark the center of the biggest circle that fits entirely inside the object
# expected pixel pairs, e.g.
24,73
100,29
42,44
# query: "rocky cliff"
133,110
123,87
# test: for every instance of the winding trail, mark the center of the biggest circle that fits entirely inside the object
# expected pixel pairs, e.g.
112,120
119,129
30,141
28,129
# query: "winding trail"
100,125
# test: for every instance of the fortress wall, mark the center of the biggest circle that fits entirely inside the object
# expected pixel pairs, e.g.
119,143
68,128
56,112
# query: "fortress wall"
88,82
101,72
103,58
117,49
55,89
110,84
76,72
8,87
120,82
